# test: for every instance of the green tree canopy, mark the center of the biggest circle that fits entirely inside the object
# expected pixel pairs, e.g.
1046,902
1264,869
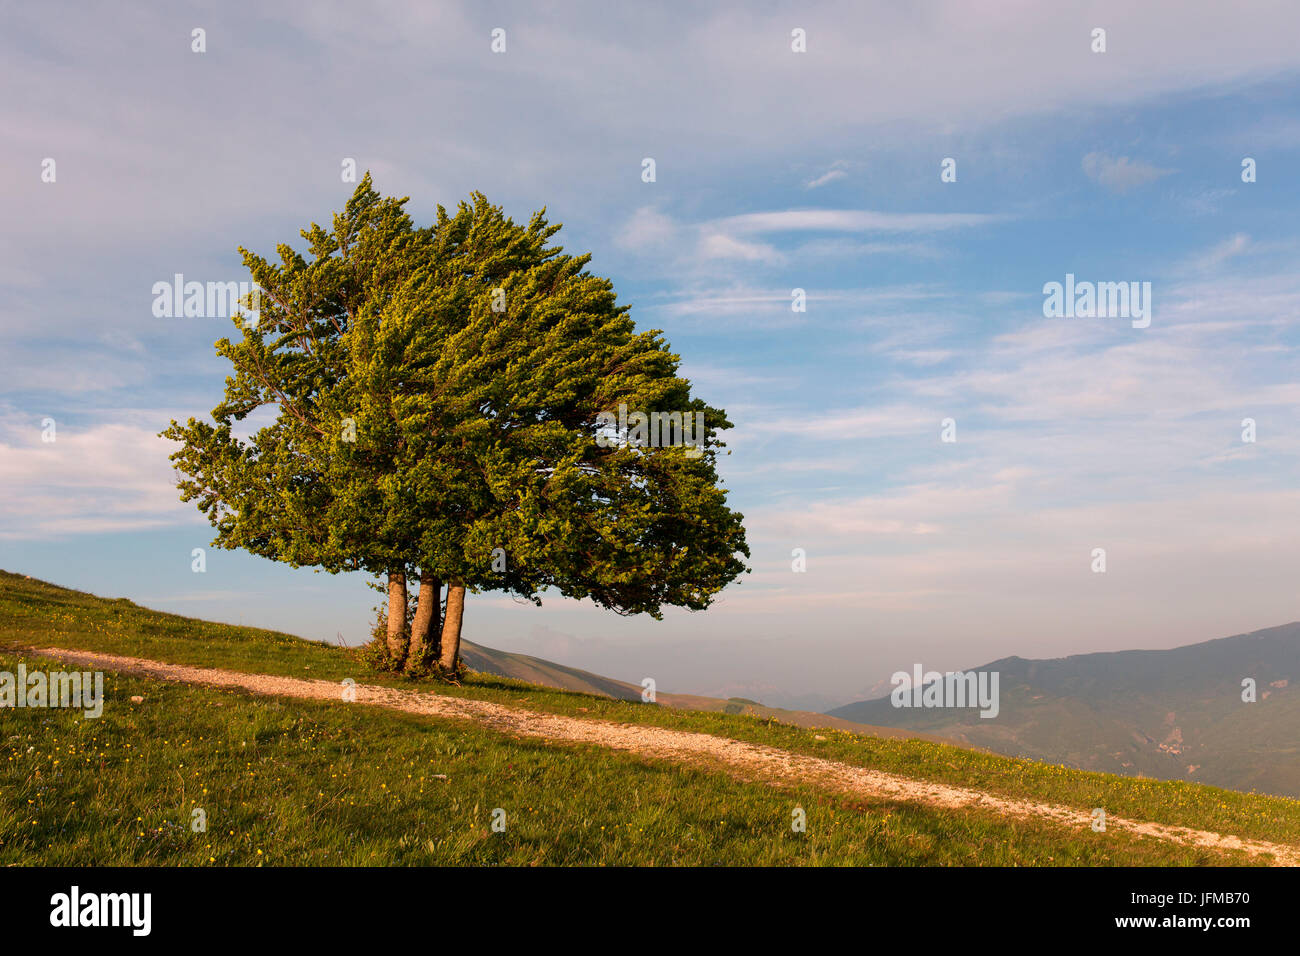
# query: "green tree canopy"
445,404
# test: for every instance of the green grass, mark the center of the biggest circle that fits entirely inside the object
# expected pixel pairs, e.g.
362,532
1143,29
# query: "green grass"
306,783
620,792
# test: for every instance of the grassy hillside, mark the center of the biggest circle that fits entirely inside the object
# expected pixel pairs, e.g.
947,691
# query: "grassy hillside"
1174,714
318,783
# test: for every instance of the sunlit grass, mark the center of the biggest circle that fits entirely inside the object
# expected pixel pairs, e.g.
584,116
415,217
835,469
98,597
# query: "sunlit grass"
33,613
307,783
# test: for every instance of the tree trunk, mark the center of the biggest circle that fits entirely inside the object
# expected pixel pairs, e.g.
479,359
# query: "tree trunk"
396,614
449,653
426,617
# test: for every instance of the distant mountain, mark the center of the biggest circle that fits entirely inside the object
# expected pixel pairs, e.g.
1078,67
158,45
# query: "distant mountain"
536,670
774,696
1174,714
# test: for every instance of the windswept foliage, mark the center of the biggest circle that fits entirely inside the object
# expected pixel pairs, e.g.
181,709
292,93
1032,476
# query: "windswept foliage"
443,398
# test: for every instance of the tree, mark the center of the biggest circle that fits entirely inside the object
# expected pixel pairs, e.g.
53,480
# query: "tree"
446,402
277,494
520,355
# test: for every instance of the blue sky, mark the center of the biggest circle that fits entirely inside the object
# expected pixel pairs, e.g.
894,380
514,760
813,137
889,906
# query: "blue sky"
774,171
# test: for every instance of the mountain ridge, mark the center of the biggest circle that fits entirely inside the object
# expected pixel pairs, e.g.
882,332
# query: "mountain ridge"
1176,713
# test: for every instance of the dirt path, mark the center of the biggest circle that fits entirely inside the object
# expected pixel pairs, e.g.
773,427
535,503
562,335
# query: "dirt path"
751,761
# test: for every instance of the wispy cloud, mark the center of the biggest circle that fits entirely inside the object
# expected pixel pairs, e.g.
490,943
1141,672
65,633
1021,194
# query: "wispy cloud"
850,220
1232,246
112,475
1120,174
838,170
719,245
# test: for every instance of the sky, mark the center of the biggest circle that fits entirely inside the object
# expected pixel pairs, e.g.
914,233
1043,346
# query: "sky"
774,170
